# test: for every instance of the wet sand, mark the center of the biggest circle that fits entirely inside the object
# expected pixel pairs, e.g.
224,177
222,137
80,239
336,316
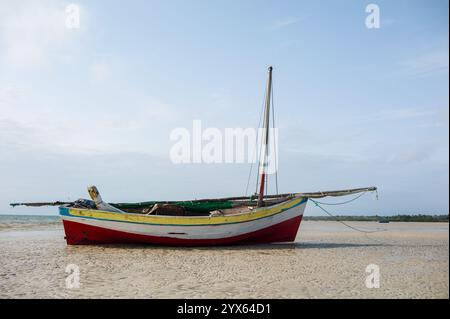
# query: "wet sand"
327,260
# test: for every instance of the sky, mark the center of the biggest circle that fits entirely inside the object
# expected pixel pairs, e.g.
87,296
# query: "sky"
95,103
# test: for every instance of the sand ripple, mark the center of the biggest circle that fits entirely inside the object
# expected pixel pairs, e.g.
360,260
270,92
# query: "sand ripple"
327,261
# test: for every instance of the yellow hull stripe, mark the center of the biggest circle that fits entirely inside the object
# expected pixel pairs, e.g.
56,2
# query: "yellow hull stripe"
190,220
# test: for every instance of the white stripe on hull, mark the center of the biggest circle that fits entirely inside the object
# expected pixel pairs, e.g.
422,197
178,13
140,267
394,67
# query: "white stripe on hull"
193,232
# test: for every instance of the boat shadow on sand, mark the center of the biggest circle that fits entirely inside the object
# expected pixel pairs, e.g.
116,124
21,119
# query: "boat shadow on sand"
276,246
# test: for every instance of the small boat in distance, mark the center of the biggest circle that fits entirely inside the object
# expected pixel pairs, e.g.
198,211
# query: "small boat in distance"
255,219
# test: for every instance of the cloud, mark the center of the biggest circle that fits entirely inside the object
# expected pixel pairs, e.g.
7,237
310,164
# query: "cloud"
401,114
432,117
411,155
388,22
16,106
429,63
284,23
32,32
26,124
439,119
99,72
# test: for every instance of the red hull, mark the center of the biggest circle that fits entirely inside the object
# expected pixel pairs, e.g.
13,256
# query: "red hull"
82,234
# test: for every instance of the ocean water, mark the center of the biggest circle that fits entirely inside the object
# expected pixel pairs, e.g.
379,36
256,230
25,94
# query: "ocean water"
24,222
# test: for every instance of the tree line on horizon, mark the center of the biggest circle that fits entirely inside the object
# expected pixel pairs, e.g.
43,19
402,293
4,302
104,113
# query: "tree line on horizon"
377,218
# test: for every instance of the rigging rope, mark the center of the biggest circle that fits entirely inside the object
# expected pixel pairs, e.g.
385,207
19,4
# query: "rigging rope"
344,223
266,183
254,153
342,203
274,142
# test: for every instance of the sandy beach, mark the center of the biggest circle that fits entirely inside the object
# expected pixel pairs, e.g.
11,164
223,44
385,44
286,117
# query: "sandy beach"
327,260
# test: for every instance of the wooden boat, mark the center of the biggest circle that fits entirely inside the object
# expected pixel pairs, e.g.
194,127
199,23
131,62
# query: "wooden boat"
275,223
205,222
255,219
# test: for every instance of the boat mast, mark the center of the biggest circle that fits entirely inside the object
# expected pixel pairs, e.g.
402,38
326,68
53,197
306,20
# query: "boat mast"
265,140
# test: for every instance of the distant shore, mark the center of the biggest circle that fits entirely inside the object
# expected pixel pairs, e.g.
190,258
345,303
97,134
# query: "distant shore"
376,218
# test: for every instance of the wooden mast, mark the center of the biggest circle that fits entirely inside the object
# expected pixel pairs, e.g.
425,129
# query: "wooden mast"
265,139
